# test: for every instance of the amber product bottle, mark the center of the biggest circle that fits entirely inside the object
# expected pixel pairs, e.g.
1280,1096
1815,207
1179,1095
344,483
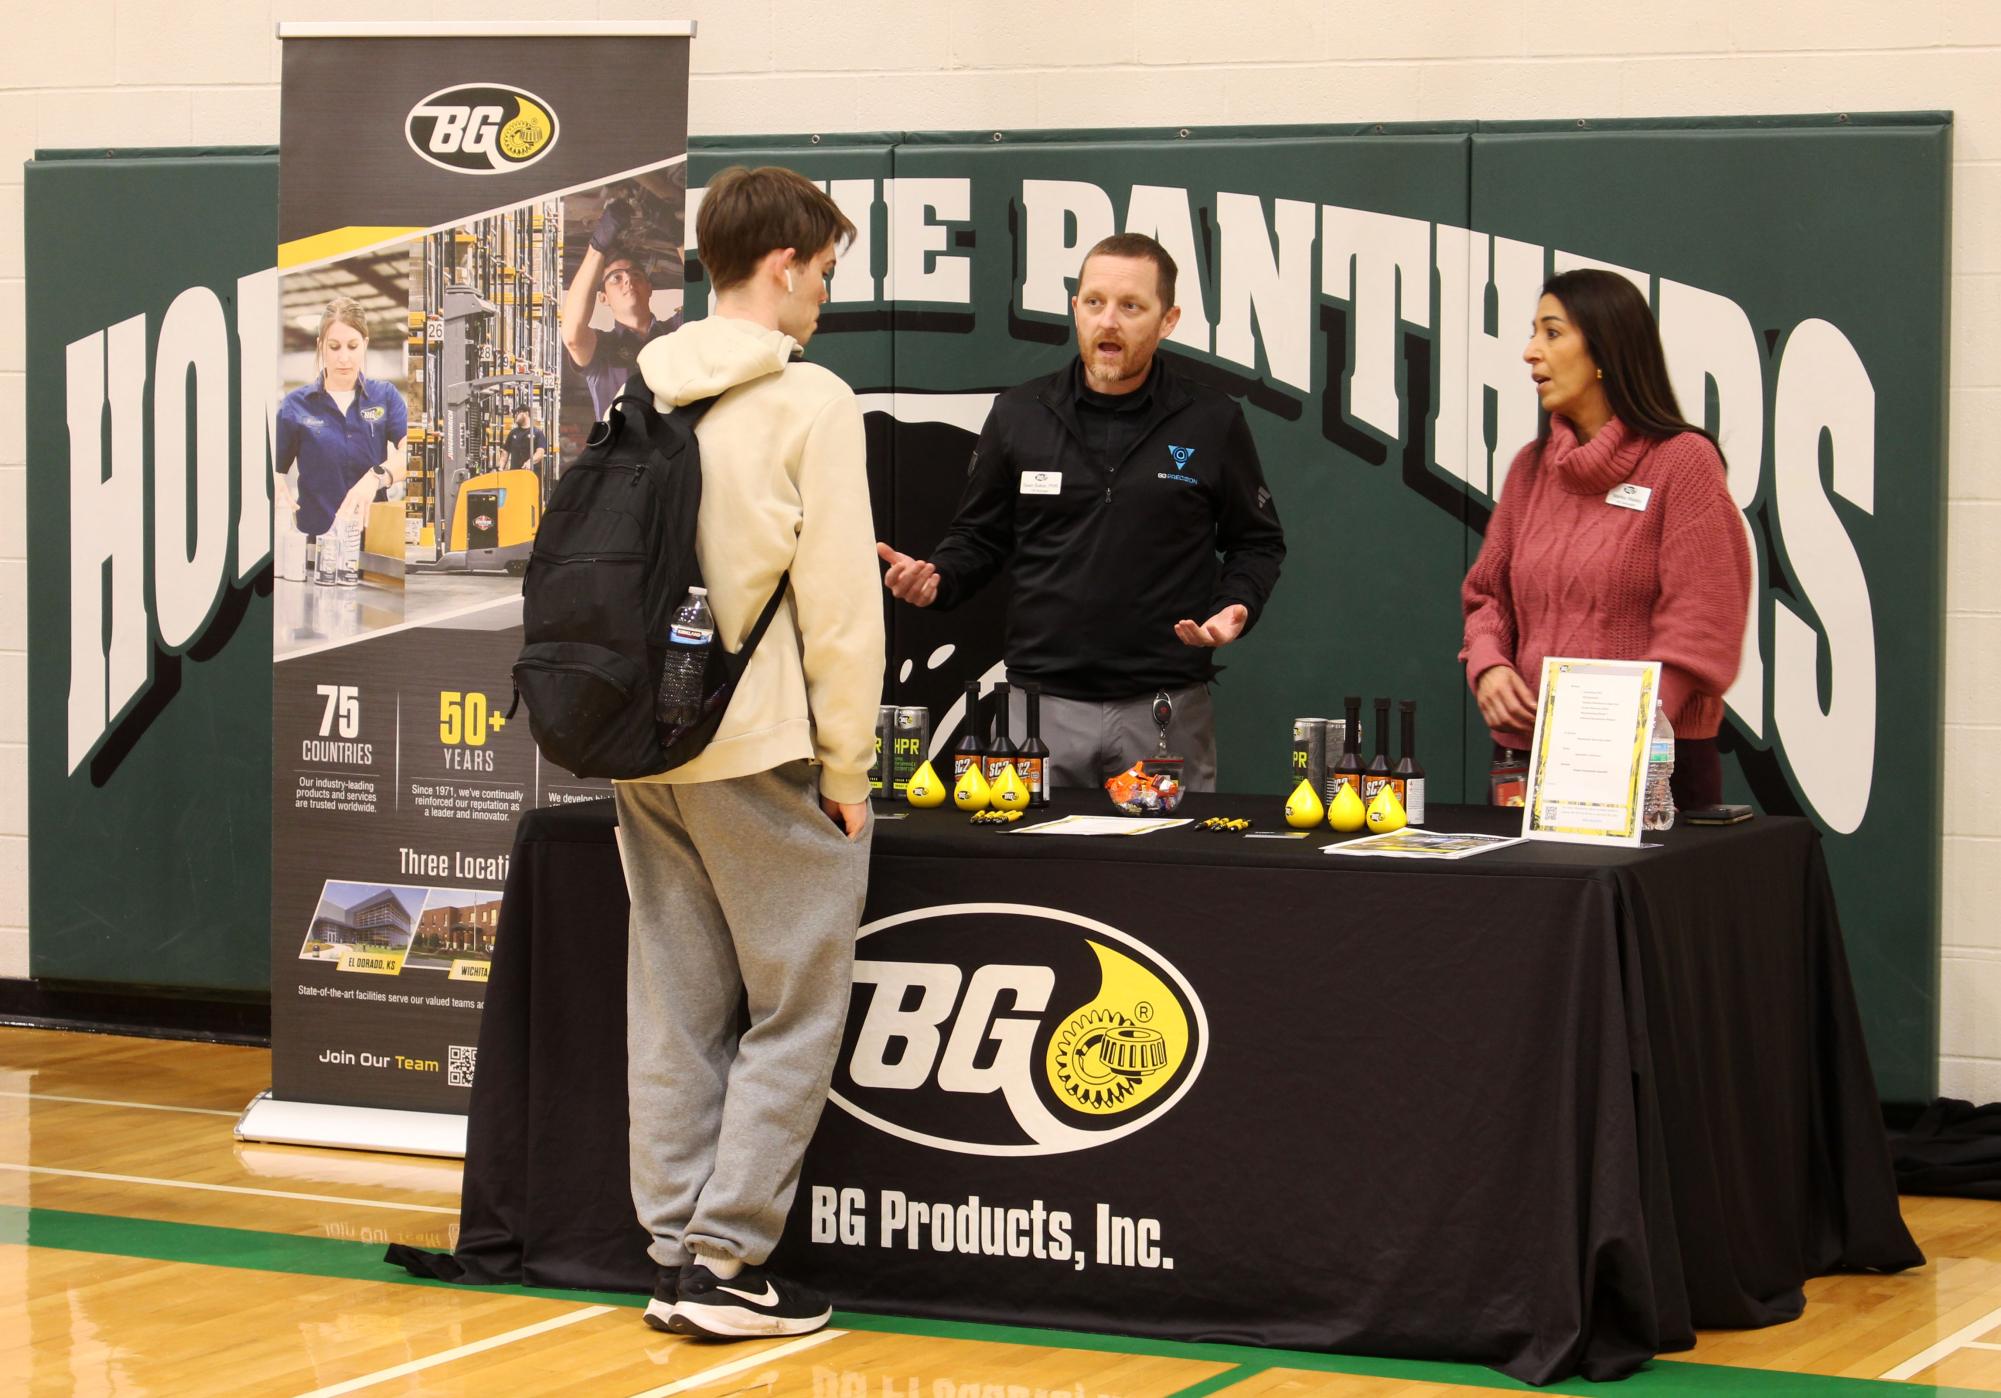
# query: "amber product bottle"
1348,768
1409,773
1002,750
1033,759
971,749
1377,775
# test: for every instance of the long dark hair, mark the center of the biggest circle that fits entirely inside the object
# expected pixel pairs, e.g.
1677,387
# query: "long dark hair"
1625,343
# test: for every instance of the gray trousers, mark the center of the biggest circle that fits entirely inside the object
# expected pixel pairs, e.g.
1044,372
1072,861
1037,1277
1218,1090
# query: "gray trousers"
1090,741
738,887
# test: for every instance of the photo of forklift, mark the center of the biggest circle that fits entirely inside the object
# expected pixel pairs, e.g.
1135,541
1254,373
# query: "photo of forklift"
483,345
499,398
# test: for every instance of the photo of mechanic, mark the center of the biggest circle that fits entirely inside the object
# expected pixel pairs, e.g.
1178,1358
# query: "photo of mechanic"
624,290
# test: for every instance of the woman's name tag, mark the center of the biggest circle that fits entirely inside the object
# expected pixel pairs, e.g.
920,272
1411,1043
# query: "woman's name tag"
1629,497
1041,482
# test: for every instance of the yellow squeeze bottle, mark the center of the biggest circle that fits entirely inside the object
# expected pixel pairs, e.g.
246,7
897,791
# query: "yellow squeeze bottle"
1009,791
1303,809
972,793
1386,813
1346,812
925,789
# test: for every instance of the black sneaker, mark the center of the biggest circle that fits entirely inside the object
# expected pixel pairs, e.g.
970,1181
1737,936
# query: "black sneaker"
666,1293
751,1305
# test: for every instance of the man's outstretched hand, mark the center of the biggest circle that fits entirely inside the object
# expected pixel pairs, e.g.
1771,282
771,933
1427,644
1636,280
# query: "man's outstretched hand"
1218,630
909,579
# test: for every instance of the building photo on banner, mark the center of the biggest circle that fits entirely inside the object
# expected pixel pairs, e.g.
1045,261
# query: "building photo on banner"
1562,1073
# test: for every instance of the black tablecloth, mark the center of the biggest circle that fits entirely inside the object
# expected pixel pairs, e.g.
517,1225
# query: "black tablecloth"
1548,1108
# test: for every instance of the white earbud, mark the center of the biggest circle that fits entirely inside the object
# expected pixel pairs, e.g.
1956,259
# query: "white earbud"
788,281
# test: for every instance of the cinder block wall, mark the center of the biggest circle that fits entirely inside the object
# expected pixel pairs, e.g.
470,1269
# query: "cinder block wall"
145,72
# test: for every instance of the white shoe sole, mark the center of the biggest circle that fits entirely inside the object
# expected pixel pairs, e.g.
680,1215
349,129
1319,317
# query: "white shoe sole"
660,1314
737,1323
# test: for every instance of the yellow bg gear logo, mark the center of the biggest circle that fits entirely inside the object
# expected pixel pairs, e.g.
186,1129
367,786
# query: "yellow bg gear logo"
1112,1054
527,133
1002,1029
482,128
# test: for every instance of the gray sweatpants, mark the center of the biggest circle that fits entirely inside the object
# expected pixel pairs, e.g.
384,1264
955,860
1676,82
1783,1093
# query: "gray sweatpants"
1090,741
739,886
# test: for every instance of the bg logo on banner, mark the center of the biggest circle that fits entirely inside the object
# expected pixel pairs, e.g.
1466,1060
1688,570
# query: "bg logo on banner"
482,128
1081,1036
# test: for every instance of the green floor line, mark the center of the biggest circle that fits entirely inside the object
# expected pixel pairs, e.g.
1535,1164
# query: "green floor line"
209,1245
1216,1383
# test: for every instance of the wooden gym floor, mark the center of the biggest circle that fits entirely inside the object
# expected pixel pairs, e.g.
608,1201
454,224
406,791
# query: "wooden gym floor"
144,1251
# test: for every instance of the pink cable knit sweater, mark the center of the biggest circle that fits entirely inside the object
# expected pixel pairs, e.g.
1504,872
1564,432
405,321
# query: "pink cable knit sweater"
1562,572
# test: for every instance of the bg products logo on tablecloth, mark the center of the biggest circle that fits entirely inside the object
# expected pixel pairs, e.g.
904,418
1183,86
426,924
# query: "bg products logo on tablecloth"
1081,1035
481,128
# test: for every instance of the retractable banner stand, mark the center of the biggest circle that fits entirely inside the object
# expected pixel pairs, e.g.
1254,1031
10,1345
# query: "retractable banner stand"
479,226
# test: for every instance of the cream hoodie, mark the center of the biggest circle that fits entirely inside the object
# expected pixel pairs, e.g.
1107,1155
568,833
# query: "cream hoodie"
784,485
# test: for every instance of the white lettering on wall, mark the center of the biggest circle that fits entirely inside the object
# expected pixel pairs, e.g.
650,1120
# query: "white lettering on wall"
1381,265
1473,360
1272,287
107,531
1052,252
1161,213
919,267
1709,339
1823,389
192,359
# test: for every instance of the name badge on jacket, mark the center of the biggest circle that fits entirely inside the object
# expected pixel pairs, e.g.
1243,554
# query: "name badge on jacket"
1041,482
1629,497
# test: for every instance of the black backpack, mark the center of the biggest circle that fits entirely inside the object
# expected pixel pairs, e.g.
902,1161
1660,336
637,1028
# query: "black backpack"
613,558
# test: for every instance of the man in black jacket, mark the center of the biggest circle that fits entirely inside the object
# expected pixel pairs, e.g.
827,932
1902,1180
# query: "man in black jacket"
1108,490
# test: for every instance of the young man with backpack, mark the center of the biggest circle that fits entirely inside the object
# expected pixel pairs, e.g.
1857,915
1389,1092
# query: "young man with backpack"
747,864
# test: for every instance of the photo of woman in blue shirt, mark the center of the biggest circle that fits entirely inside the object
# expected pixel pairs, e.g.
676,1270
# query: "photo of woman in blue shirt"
346,434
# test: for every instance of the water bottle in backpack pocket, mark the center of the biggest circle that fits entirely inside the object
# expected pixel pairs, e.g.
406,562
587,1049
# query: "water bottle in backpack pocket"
678,701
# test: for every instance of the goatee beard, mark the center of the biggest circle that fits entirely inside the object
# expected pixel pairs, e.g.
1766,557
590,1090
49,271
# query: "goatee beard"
1099,370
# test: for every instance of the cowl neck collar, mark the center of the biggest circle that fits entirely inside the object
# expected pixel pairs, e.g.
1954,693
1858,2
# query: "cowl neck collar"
1593,467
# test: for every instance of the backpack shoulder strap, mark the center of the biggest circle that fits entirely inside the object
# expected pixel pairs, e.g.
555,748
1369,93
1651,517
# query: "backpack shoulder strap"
770,611
636,391
738,660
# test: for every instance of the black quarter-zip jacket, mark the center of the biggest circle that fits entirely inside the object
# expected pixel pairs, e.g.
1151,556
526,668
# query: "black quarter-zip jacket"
1103,557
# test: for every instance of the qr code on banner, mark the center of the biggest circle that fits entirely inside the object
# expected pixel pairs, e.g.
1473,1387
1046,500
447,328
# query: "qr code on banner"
458,1066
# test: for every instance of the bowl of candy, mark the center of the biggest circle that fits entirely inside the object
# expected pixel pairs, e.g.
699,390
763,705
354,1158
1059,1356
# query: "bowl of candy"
1150,787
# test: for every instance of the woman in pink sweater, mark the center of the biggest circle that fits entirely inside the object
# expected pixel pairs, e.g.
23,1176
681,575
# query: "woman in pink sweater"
1615,537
